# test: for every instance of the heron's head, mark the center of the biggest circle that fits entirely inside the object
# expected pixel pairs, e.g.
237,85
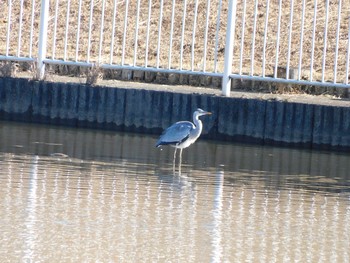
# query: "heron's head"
200,112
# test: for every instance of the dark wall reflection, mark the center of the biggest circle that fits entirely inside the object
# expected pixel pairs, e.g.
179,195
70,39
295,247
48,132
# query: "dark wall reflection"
109,146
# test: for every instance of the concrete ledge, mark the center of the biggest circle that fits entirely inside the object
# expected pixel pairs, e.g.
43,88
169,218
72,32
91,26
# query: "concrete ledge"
253,120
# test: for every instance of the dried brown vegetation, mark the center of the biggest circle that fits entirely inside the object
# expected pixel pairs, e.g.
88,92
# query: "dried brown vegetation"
72,42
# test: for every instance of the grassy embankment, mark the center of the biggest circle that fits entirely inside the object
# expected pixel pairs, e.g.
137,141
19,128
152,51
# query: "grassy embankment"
193,56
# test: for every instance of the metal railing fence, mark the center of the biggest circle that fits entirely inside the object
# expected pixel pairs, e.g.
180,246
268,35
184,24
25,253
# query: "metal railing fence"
302,42
298,42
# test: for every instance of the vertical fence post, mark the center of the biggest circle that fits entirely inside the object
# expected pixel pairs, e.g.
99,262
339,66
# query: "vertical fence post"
230,33
44,17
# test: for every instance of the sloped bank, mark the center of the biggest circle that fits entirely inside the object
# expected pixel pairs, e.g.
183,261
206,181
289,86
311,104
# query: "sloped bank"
263,121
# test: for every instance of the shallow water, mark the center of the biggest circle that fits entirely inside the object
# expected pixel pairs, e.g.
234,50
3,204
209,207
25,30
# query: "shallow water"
72,195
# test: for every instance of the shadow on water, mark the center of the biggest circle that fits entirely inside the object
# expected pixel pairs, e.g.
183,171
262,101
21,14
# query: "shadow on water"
271,166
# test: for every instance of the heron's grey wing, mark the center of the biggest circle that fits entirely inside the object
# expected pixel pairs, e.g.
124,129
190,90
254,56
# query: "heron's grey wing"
176,133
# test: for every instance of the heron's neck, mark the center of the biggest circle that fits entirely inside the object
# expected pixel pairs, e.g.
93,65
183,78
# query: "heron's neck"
197,122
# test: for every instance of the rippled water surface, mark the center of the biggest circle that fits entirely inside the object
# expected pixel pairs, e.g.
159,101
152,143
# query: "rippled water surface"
71,195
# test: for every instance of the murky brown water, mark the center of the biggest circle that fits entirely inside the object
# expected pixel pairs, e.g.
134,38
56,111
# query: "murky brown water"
114,198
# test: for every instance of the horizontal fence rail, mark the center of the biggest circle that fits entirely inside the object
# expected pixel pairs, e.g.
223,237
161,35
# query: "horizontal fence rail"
288,41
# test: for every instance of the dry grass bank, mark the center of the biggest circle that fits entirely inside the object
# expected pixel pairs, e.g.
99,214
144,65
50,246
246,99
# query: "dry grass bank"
193,55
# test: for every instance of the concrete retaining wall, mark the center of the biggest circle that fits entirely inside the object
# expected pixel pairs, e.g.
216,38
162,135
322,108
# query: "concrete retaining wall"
149,111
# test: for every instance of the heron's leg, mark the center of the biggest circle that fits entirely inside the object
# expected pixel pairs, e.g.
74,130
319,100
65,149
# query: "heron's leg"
174,160
180,161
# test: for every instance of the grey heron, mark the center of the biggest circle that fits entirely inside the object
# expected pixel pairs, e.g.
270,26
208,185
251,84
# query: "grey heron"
183,133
